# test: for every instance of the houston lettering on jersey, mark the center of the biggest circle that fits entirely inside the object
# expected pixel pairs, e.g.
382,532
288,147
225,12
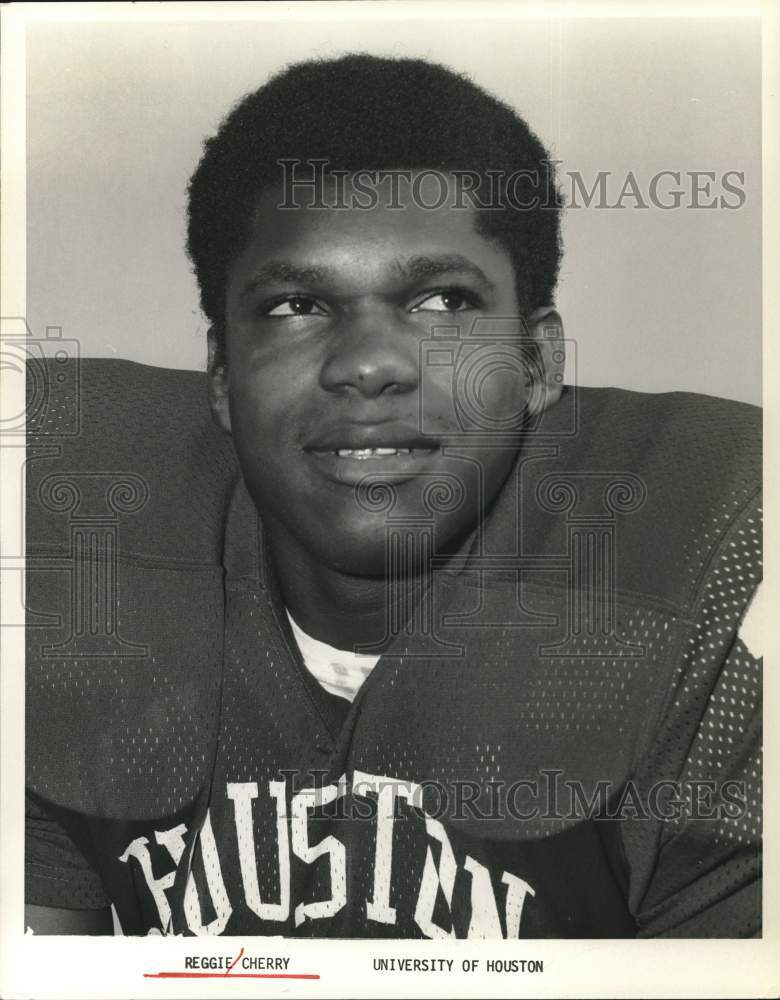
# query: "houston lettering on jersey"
391,867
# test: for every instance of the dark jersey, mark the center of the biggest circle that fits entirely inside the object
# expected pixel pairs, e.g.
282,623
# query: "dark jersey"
562,741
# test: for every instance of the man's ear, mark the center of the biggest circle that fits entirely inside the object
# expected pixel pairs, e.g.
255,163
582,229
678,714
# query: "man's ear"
546,327
218,387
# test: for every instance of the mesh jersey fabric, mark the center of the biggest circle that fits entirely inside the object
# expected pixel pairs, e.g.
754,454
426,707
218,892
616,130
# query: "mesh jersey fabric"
194,773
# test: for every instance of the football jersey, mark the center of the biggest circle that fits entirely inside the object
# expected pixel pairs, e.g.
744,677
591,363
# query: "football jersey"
563,740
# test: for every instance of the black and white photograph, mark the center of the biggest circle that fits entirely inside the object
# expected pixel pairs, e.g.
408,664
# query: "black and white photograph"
383,450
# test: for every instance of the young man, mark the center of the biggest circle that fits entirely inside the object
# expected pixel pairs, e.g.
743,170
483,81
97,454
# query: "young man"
426,645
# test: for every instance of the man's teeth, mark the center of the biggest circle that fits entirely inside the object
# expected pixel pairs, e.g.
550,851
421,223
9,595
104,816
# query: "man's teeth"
361,453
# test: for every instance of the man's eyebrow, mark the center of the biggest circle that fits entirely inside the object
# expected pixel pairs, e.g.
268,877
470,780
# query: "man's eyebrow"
286,271
411,268
422,266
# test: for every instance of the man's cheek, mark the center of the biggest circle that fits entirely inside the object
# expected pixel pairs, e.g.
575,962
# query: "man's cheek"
490,399
257,404
493,397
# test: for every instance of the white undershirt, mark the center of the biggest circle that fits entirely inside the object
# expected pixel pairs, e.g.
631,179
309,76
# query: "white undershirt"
339,671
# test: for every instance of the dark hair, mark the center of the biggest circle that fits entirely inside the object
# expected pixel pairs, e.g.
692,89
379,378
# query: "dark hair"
362,112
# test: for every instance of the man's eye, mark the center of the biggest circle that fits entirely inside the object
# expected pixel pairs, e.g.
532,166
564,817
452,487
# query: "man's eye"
296,305
449,300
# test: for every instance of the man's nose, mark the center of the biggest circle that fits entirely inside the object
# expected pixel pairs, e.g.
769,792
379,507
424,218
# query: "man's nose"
371,355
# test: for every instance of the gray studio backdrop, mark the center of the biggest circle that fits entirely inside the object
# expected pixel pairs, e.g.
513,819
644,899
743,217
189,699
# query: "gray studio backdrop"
656,299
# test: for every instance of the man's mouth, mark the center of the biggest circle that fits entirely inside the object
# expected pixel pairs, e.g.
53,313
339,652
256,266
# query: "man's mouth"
363,453
349,452
362,441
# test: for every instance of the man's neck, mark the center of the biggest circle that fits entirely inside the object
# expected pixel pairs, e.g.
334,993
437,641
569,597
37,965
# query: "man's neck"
342,610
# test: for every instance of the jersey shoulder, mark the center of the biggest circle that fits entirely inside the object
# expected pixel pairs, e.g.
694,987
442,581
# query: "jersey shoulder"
128,485
113,438
673,473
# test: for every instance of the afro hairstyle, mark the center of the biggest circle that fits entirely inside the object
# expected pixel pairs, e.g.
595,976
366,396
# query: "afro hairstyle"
363,112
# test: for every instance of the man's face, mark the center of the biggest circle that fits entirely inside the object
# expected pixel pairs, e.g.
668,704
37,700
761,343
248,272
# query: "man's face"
327,312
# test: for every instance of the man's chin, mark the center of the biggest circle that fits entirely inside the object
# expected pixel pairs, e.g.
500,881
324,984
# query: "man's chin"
385,533
385,548
365,552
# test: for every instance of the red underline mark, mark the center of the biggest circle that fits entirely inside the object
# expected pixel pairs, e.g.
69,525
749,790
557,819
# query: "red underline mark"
232,975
